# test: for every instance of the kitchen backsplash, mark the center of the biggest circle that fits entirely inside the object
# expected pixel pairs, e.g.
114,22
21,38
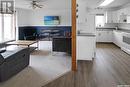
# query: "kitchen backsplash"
124,26
110,25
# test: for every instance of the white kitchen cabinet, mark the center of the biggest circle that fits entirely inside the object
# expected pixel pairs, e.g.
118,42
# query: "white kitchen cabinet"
114,17
86,47
123,15
128,18
104,36
108,16
128,11
119,12
111,17
117,38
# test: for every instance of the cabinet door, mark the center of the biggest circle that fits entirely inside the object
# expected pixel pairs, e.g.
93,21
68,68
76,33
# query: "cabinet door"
128,11
104,36
85,47
109,17
98,34
114,17
118,16
118,38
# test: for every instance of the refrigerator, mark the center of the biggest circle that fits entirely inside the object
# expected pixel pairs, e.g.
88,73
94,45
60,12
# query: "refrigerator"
86,39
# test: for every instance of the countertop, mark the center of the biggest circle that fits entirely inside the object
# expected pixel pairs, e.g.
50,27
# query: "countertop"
113,29
105,28
122,30
87,34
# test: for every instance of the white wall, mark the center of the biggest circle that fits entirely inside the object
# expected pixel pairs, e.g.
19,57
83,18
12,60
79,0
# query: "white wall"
31,17
37,16
22,17
124,26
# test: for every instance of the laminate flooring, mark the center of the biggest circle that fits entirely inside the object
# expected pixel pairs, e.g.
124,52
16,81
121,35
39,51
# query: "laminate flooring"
110,68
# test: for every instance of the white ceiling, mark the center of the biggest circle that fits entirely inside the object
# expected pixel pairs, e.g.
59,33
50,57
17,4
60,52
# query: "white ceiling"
96,3
118,3
60,4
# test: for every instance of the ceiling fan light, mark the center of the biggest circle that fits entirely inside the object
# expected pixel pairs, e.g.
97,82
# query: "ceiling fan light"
106,2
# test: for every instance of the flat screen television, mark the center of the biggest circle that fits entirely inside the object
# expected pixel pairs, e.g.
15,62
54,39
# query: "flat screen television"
51,20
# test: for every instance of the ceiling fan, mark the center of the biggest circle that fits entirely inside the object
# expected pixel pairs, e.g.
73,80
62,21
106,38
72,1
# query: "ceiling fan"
35,4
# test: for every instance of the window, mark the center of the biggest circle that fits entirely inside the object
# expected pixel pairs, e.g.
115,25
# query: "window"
0,27
100,20
7,30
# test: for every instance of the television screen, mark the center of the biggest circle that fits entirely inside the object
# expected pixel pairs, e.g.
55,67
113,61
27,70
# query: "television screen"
51,20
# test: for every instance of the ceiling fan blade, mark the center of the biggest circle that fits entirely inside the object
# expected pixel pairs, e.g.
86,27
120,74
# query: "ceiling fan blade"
35,4
39,6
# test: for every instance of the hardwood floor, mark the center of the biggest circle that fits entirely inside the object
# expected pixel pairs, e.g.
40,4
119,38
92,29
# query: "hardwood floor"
110,68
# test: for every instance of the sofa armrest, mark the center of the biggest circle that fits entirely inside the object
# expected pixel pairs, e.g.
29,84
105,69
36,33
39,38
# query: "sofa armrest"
1,59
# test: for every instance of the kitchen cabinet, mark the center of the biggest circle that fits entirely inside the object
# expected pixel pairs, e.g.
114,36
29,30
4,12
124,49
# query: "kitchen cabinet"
128,19
119,16
117,38
123,15
108,16
123,18
111,17
86,47
104,35
114,17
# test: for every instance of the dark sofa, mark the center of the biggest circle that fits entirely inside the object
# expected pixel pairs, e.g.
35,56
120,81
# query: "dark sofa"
12,62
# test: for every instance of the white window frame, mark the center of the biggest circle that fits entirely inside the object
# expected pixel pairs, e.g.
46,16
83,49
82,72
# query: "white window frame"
12,28
104,20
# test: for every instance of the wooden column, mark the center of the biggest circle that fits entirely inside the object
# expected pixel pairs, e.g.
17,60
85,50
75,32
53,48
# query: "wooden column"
74,65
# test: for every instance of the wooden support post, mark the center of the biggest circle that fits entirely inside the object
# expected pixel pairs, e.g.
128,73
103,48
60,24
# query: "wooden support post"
74,65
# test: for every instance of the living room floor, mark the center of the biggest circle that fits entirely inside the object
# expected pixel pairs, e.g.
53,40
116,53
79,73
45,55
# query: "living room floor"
45,66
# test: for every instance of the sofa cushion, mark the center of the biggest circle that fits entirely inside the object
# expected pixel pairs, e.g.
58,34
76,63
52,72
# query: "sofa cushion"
1,59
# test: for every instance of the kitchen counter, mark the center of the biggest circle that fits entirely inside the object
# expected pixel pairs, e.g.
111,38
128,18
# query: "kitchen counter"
87,34
105,27
123,30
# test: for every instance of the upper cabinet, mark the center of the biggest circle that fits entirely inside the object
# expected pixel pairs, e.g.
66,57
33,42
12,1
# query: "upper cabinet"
119,16
111,17
124,15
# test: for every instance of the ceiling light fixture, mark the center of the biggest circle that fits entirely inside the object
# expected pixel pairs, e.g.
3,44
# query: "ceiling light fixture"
35,4
106,2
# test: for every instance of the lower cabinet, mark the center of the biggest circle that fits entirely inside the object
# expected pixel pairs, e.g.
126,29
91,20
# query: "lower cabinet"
104,36
114,36
86,47
117,38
